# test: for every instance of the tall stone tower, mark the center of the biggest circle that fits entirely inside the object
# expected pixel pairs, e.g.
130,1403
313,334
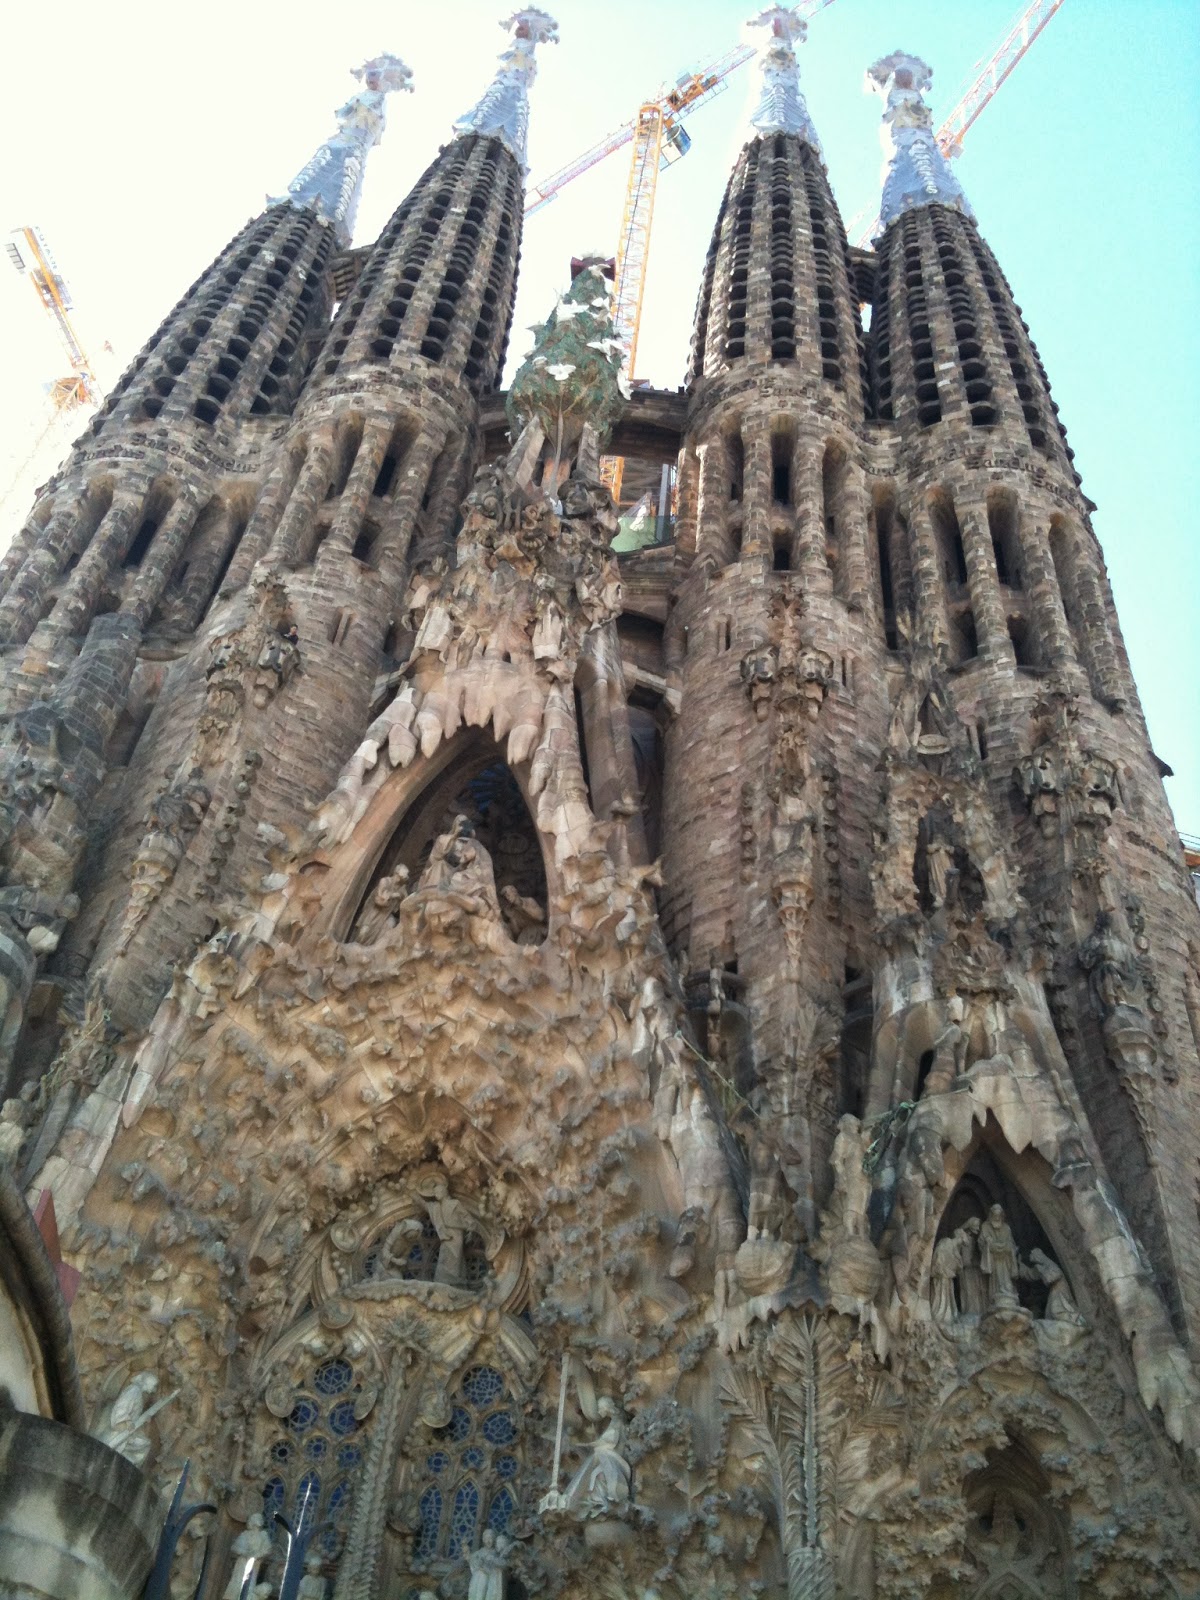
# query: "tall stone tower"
567,1075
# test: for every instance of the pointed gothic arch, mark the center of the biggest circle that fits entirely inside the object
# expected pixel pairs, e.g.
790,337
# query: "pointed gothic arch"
476,783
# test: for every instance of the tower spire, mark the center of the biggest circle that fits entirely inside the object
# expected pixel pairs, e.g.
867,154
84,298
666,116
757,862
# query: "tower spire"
503,112
781,106
915,173
331,183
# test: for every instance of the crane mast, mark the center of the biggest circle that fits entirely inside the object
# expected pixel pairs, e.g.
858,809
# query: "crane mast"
30,255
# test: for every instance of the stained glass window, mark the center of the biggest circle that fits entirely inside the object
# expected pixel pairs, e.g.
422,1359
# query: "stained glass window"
471,1470
317,1458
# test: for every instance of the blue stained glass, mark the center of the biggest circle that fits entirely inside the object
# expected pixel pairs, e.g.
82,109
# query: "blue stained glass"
472,1457
342,1419
330,1541
304,1414
339,1500
482,1385
273,1497
281,1450
463,1520
430,1507
506,1466
458,1427
500,1512
308,1497
499,1428
437,1462
349,1456
332,1377
317,1448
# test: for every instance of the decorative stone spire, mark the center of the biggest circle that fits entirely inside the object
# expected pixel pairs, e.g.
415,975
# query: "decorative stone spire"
331,183
915,173
503,113
781,107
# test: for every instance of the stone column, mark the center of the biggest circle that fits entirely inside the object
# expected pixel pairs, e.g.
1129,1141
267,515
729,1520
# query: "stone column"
356,497
808,497
109,543
207,559
294,534
161,559
266,516
856,587
756,489
712,517
395,538
1050,617
983,584
929,594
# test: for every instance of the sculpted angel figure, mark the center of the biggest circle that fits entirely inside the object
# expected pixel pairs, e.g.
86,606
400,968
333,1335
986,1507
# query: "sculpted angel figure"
603,1482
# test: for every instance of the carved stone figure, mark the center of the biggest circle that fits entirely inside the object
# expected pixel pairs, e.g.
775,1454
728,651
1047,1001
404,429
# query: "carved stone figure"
458,878
602,1484
312,1585
488,1566
998,1260
125,1430
452,1220
946,1265
972,1287
1060,1303
1108,963
949,1049
758,674
250,1549
376,920
852,1186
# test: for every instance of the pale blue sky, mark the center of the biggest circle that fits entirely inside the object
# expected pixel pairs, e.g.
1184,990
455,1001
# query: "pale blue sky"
140,135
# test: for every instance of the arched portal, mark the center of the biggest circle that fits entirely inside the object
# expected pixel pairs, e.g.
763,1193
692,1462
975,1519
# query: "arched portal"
479,785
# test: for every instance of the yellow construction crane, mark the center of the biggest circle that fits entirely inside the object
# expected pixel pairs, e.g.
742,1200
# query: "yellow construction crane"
30,255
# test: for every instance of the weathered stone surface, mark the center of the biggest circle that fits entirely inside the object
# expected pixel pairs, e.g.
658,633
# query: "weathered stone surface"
687,1064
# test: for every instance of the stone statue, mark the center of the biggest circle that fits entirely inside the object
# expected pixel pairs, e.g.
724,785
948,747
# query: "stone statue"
947,1264
940,870
452,1220
488,1566
1106,959
124,1430
312,1585
459,877
251,1547
378,918
998,1260
972,1291
1060,1304
949,1050
523,917
602,1483
852,1186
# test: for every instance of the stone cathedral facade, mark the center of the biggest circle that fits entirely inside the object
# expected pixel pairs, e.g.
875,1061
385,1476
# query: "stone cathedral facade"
663,1077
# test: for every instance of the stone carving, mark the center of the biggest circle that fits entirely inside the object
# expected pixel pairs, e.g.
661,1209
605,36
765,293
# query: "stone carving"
458,882
125,1428
250,1549
488,1566
172,822
377,919
312,1585
452,1220
998,1260
758,670
601,1485
1060,1303
252,661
